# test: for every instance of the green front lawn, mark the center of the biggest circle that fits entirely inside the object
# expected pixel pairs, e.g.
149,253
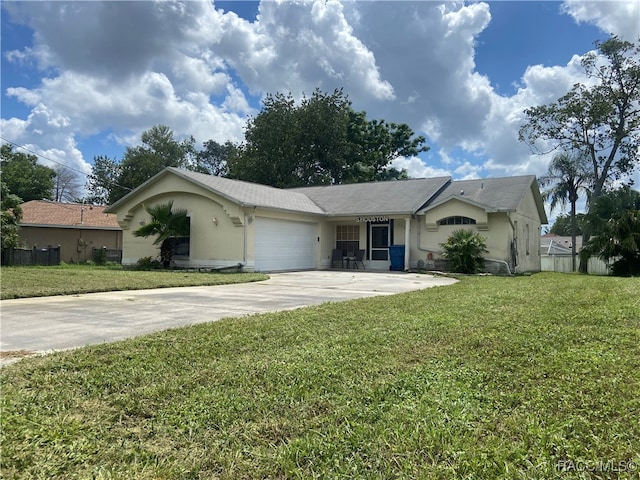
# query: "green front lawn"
22,282
491,378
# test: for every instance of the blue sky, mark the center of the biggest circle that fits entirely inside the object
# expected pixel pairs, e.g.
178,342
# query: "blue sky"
82,79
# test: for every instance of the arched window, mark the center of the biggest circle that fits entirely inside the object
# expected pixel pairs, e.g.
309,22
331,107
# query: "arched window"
457,220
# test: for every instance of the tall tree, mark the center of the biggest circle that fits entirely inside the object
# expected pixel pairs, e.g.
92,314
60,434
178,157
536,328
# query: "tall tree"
159,150
374,144
614,219
67,185
214,158
602,121
321,141
271,145
10,215
24,177
104,176
166,224
566,177
562,225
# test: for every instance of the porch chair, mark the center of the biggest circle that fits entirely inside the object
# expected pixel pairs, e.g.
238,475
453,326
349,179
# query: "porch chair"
359,258
337,256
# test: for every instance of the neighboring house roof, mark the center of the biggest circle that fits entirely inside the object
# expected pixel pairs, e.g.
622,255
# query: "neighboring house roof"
503,194
552,244
44,213
391,197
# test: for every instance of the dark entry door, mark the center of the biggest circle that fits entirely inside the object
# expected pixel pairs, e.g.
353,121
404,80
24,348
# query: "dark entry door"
379,240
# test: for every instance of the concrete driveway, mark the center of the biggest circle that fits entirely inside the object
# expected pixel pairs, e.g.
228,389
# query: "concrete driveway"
38,325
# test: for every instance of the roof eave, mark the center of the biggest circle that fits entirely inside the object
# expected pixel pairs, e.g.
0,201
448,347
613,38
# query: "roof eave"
468,201
114,207
377,213
279,209
75,227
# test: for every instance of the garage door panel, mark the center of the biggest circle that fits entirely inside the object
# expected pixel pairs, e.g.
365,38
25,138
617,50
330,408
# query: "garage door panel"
284,245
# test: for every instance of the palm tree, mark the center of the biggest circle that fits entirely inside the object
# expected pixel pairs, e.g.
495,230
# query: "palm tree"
566,177
167,224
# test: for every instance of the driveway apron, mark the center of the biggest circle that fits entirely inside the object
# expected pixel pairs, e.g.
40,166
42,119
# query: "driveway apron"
38,325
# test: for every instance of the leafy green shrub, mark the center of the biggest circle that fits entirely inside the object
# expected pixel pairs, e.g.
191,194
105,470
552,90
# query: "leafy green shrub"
464,251
148,263
100,256
626,267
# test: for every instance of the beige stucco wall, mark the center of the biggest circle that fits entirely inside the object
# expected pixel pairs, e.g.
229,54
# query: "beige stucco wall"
76,244
217,225
528,229
327,232
499,229
222,232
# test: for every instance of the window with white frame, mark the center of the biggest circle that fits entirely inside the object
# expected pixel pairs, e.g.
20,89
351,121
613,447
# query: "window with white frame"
457,220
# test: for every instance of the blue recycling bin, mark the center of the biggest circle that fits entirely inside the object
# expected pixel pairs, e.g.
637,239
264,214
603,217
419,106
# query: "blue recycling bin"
396,252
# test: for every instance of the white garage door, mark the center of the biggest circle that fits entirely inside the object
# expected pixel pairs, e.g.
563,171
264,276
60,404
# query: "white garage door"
285,245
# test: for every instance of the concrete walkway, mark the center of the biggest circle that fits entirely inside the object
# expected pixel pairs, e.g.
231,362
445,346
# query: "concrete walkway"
40,325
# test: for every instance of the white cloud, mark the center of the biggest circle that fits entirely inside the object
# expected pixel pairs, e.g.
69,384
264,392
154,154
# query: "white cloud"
48,135
425,51
297,46
468,171
122,67
621,17
416,168
24,95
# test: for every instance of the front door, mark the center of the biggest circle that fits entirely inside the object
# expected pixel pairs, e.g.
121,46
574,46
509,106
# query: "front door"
380,237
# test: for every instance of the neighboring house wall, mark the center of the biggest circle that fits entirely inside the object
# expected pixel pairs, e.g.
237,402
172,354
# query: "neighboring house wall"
76,244
77,228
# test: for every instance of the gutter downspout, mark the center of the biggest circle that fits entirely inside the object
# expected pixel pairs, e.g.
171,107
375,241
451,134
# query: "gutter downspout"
515,239
244,240
506,264
407,240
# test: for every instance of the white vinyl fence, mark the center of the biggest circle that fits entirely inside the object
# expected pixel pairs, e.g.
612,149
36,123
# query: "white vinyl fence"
562,263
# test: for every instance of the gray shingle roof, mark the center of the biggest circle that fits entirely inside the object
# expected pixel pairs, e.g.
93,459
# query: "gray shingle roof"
391,197
497,194
376,198
250,194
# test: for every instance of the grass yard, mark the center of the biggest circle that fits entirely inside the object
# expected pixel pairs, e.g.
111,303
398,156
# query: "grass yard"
492,378
22,282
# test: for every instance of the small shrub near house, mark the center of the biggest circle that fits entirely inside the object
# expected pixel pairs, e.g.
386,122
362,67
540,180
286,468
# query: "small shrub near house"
148,263
464,251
